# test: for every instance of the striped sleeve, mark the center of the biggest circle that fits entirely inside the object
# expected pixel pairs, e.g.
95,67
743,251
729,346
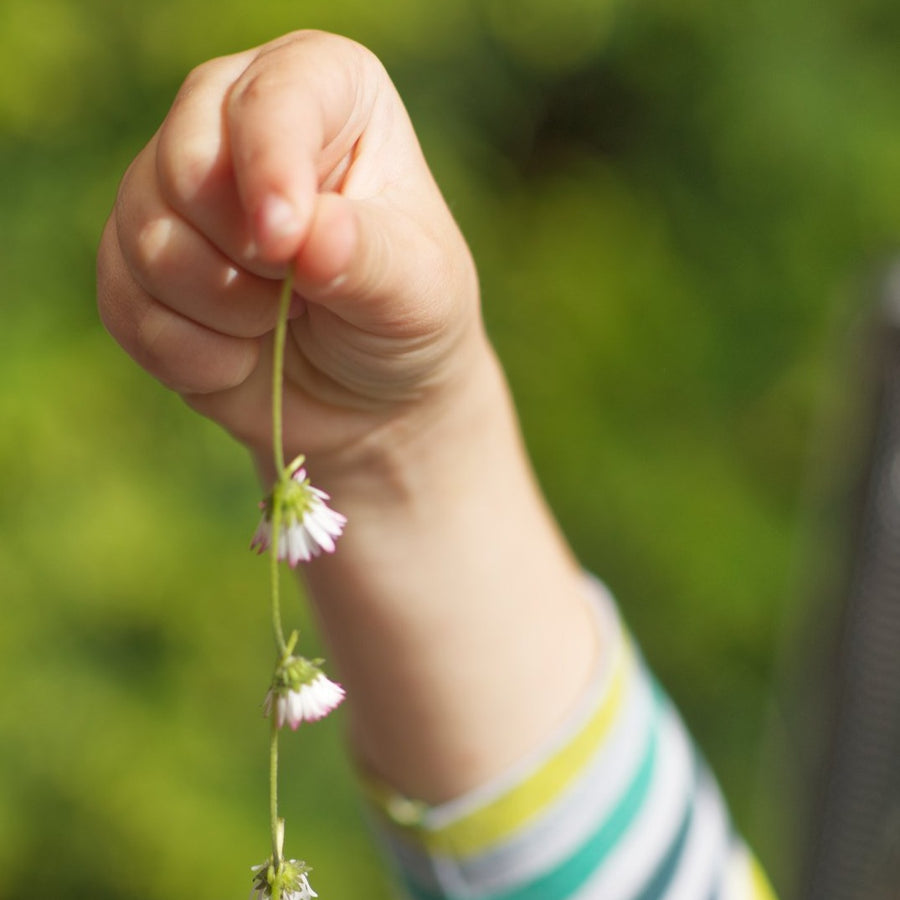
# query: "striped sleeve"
616,806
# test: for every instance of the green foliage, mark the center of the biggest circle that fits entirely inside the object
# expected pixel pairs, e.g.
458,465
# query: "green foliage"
667,202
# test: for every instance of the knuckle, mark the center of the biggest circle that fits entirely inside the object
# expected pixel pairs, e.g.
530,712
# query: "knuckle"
245,88
137,322
187,156
198,76
151,240
184,163
142,232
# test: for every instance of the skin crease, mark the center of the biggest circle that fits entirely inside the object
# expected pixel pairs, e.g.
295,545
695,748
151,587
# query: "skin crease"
454,613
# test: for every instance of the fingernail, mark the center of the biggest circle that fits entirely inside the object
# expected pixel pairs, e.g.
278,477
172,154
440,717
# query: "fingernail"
277,217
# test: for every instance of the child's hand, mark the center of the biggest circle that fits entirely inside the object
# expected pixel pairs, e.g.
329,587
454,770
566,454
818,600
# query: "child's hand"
296,153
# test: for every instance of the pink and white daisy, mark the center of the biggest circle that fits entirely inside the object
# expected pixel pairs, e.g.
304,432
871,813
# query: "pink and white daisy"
302,692
308,525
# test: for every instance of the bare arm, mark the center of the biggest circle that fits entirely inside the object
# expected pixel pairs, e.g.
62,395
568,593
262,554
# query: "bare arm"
454,609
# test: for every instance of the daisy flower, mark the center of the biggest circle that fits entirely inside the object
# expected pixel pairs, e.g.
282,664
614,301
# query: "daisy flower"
301,692
290,882
308,525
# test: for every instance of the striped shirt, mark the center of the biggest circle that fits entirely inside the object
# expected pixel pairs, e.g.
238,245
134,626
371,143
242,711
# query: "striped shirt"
618,805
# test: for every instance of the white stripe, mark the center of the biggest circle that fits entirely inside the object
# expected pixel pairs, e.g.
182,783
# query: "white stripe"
645,844
705,848
738,883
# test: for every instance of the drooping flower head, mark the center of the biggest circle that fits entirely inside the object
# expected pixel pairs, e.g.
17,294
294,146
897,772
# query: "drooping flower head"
308,525
289,882
301,692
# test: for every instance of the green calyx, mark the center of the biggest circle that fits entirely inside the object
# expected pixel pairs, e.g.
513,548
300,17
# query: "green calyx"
295,671
291,872
280,881
292,497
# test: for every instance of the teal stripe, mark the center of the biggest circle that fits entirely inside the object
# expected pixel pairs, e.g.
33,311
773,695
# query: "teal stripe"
662,877
573,872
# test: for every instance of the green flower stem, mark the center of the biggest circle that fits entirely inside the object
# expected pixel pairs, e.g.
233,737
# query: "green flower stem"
273,790
277,627
284,306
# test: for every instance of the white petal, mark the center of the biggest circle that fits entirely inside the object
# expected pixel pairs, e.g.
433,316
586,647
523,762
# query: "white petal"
294,705
298,544
320,697
333,522
317,532
283,710
282,543
306,890
262,538
312,548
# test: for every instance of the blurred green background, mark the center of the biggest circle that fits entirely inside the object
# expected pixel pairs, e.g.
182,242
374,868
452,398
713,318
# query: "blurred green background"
670,204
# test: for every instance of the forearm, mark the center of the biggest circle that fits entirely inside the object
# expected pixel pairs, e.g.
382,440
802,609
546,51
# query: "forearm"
453,610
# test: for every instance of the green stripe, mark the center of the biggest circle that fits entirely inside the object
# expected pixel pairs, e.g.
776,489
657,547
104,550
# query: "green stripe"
661,878
571,874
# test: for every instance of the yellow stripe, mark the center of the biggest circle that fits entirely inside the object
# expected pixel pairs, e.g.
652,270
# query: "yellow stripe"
762,890
494,822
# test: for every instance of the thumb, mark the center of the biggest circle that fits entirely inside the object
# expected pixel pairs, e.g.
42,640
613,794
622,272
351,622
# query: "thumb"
375,267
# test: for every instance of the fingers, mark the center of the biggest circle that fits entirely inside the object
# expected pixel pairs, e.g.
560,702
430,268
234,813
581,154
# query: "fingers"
299,151
251,138
293,118
182,354
193,164
175,264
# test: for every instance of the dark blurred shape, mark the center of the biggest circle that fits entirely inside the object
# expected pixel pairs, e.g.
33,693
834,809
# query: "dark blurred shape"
855,851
